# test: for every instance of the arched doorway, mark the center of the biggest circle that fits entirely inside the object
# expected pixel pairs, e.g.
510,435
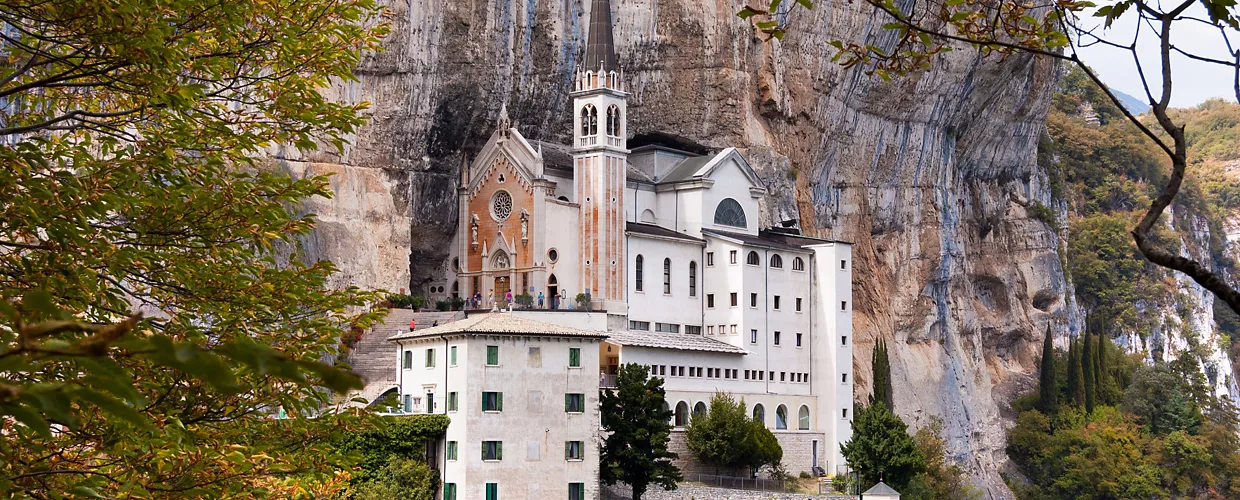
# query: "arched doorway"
553,291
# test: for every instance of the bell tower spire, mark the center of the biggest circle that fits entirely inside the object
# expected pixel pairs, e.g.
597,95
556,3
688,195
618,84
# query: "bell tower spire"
600,162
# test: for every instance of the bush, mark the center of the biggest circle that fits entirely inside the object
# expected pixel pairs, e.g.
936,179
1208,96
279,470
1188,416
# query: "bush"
399,478
443,305
458,303
524,300
805,475
583,301
402,437
726,437
1043,213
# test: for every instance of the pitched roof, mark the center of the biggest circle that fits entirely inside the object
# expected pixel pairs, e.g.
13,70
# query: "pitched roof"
501,323
654,230
675,341
881,489
751,240
560,157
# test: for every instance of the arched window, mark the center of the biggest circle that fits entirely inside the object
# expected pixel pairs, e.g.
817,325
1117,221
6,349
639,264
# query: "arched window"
730,213
803,418
781,417
682,414
648,216
699,409
759,414
693,279
589,120
552,281
638,269
667,276
798,264
613,121
777,262
753,259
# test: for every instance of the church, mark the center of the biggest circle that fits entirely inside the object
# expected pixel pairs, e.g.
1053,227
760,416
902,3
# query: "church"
651,255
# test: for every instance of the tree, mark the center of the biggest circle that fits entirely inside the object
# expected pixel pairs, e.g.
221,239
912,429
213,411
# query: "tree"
1076,388
1056,31
880,366
726,437
941,480
637,420
1161,401
1087,368
1048,389
881,447
155,309
400,478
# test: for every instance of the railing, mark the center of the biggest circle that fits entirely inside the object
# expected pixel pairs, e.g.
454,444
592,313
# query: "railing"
741,483
588,140
615,141
606,381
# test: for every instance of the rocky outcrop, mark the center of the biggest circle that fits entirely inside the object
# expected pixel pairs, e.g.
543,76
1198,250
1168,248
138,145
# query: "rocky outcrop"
927,174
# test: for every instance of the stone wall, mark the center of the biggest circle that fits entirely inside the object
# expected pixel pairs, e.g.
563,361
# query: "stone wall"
797,446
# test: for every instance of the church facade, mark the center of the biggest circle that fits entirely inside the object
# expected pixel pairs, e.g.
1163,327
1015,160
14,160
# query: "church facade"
664,249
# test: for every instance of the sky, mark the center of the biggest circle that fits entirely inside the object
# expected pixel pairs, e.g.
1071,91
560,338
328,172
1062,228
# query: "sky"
1192,81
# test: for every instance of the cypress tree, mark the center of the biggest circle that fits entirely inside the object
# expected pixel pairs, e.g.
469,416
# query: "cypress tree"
1104,378
1076,390
1087,365
881,367
1047,386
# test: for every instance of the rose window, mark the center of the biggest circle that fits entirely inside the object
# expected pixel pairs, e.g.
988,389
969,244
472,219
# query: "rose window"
501,205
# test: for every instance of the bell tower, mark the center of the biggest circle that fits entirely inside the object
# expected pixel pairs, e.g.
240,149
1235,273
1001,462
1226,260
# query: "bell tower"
600,162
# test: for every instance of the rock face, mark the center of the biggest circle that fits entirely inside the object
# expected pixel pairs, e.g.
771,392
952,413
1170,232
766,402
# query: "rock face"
927,174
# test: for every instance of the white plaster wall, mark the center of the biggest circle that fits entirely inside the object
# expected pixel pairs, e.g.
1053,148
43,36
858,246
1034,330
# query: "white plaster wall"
834,285
730,182
596,321
563,236
721,279
638,199
651,304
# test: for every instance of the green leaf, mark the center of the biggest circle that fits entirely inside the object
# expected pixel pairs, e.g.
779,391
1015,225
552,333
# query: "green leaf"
85,491
808,4
40,301
774,5
113,406
746,13
766,25
29,418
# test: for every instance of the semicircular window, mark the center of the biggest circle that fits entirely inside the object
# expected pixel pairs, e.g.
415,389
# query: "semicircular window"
730,213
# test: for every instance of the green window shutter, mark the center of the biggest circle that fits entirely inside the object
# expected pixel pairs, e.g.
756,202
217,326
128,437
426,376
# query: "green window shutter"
574,357
484,401
453,351
499,450
484,450
567,401
499,401
567,450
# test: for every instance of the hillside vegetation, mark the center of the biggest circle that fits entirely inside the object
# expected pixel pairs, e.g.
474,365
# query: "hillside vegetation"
1134,420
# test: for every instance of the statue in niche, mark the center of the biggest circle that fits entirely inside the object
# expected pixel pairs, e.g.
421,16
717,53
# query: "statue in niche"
525,225
473,228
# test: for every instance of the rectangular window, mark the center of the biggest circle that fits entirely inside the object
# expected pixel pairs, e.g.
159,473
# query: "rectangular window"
843,265
710,300
430,358
710,372
746,374
734,299
843,305
775,302
753,336
451,451
843,340
710,258
492,450
798,304
733,329
845,412
710,329
772,375
776,338
843,378
732,257
408,359
452,356
798,340
639,325
575,403
492,355
574,357
667,276
492,401
667,328
761,375
452,401
525,282
693,279
753,300
492,491
477,286
662,370
449,491
782,376
576,491
693,329
408,404
574,450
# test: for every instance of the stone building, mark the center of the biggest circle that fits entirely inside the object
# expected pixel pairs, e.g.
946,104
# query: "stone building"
662,242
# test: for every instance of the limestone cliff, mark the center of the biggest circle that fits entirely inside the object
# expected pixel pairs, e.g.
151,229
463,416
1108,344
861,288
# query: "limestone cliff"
928,175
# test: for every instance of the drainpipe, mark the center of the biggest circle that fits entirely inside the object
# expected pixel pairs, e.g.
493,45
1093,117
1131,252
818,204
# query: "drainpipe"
702,290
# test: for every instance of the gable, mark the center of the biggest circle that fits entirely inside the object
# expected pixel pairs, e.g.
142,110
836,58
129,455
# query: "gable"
730,161
506,153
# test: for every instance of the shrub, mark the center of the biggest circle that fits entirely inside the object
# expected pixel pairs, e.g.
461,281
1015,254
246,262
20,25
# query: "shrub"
1043,213
458,303
524,300
443,305
583,300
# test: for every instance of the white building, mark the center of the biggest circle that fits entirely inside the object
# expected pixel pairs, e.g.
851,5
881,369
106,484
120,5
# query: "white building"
666,244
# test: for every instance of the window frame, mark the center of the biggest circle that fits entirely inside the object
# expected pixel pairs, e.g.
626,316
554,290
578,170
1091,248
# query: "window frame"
430,357
775,262
407,362
580,448
799,339
498,447
576,491
453,401
574,357
667,276
752,258
568,402
496,403
492,349
693,278
638,269
451,450
710,259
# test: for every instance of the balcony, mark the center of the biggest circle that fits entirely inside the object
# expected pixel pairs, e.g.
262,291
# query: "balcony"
588,140
606,381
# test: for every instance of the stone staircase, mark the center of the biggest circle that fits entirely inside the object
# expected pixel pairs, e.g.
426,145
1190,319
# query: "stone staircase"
375,359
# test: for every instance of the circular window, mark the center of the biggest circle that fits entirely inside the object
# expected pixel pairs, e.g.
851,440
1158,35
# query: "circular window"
553,255
501,205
